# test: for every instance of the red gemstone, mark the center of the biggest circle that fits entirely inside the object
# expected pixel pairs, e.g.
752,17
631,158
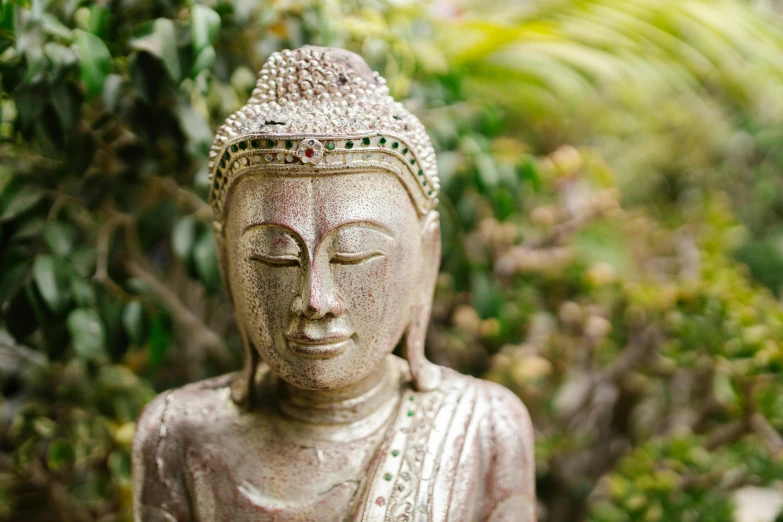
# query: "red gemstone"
309,153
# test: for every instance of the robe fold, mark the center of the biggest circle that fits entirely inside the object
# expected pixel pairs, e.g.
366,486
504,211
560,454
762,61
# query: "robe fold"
460,453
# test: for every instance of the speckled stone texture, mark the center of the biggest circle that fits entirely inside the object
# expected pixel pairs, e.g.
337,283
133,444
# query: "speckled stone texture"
200,457
328,270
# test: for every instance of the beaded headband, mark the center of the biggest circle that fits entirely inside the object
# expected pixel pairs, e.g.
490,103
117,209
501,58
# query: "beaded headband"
322,111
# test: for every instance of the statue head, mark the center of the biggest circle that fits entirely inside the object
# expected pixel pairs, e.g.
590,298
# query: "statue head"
324,192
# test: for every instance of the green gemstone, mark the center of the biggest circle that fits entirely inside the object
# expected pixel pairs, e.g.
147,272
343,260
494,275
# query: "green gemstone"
223,163
219,174
411,398
424,183
216,185
243,145
234,148
413,161
395,453
421,172
366,141
429,193
388,476
348,144
330,145
410,413
405,150
270,143
382,141
289,144
226,155
395,144
255,144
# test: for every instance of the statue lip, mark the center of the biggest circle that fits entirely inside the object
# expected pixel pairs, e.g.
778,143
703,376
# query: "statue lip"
331,345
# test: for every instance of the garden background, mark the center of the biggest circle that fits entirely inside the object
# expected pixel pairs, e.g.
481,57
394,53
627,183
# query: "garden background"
611,209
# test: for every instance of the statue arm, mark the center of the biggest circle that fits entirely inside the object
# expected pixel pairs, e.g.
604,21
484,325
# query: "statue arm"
513,461
159,494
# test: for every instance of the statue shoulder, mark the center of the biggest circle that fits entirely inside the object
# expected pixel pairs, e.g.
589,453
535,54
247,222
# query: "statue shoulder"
513,455
508,411
508,415
164,430
500,396
178,411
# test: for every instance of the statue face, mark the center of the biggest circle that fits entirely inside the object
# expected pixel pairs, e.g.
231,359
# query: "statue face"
323,271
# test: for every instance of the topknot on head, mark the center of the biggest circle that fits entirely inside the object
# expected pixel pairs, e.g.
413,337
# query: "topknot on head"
316,73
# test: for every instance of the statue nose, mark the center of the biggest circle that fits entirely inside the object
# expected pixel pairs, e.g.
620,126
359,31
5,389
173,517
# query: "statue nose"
318,298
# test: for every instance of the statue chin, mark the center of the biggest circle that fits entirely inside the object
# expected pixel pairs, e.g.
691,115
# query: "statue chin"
324,193
336,371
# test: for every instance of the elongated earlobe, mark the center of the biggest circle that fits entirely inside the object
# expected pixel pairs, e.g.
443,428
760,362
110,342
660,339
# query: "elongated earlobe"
242,386
426,376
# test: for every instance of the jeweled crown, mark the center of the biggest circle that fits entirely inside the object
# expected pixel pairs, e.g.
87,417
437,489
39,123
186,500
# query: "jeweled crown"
320,110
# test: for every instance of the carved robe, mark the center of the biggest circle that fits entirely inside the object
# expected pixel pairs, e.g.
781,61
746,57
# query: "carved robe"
460,453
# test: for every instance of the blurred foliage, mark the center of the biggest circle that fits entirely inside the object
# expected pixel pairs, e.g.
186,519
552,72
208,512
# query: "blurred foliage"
626,288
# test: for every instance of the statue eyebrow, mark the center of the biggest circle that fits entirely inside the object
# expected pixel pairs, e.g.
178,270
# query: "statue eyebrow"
271,224
369,224
383,230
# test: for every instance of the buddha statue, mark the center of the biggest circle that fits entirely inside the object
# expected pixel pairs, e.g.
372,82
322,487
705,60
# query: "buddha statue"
324,192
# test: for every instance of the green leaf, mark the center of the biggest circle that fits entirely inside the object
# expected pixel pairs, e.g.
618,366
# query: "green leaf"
205,256
87,333
120,465
133,321
12,279
206,25
54,27
60,455
6,18
159,340
161,42
487,297
15,202
98,22
60,57
83,260
29,226
196,128
203,61
6,174
50,282
83,292
183,237
112,92
67,105
59,238
95,60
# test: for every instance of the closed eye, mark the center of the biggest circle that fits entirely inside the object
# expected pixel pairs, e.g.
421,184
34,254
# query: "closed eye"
277,261
354,258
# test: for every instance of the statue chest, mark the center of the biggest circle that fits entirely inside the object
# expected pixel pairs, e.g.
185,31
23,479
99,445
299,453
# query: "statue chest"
254,474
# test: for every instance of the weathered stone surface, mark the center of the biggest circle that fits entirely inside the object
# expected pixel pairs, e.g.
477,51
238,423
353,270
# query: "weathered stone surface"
329,269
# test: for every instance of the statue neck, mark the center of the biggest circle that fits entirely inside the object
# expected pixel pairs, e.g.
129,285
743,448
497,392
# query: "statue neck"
343,406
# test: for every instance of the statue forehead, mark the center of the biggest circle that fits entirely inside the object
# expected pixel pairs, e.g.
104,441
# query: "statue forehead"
326,200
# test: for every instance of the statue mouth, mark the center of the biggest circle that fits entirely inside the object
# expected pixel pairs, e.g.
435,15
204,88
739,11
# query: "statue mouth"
326,347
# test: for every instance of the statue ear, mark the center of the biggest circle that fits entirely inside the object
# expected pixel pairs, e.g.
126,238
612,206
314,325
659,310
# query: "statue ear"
242,386
220,247
426,376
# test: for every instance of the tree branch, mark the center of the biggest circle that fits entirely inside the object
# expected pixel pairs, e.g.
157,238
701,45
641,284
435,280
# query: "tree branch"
766,431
